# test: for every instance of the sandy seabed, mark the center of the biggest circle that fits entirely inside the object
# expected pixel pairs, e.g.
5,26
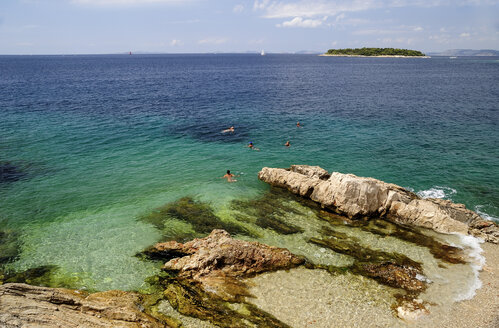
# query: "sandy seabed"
315,298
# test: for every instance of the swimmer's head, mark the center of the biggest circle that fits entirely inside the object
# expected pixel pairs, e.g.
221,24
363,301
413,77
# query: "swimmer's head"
250,143
228,171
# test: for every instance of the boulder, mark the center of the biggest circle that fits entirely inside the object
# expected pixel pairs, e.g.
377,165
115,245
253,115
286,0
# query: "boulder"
356,197
311,171
219,260
24,305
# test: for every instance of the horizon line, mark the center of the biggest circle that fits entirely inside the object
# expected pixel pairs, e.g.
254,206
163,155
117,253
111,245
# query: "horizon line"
247,52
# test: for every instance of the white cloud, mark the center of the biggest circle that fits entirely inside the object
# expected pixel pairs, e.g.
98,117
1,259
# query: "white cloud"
418,29
464,35
313,8
175,42
260,4
213,41
238,9
300,22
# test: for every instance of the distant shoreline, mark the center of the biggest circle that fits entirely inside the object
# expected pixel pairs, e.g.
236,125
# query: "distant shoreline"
380,56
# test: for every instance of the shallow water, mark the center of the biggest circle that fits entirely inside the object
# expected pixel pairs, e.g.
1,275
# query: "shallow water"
101,141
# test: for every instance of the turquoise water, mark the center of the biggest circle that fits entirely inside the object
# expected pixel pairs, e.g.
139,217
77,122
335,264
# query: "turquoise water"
100,141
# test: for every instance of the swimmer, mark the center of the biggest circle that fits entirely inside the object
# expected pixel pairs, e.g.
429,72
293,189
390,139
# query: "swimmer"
231,129
229,176
250,145
287,144
298,125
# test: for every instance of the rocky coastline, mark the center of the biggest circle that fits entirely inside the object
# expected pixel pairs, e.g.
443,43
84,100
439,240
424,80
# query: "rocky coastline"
359,197
207,279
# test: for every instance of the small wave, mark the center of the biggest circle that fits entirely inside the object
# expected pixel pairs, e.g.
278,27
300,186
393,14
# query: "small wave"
479,210
437,192
474,251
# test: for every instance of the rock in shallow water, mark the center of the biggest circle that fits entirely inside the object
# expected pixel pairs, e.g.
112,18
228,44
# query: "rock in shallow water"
355,196
218,259
207,281
10,173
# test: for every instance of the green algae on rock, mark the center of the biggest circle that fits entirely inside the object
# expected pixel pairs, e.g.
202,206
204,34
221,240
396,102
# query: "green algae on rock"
267,211
392,269
441,251
39,276
189,298
207,282
198,214
9,246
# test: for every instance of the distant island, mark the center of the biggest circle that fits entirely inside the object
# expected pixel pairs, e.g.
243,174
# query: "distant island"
374,52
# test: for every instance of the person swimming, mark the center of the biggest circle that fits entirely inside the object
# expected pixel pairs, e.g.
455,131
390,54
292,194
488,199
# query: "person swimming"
231,129
287,144
298,125
229,176
251,146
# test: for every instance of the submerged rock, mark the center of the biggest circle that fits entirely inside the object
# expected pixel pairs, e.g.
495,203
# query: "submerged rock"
207,282
411,309
444,252
358,197
191,299
267,212
392,269
393,274
40,276
198,214
10,173
9,246
23,305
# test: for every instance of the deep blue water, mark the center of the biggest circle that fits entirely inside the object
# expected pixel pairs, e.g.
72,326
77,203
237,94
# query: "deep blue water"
106,138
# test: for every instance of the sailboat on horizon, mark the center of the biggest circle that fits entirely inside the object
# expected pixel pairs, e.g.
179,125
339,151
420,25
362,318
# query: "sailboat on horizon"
262,53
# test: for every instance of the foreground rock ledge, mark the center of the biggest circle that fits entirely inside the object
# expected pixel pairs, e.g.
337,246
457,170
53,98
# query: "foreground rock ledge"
24,305
357,197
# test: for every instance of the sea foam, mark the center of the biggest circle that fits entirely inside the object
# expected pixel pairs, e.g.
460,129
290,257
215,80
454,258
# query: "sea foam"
479,210
437,192
471,245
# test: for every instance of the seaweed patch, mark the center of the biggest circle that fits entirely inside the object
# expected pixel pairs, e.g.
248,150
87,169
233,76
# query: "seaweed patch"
198,214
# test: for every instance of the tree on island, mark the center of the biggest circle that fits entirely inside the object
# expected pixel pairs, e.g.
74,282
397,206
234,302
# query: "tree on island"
375,52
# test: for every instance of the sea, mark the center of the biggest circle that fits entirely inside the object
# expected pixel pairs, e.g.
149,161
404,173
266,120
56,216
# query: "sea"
90,144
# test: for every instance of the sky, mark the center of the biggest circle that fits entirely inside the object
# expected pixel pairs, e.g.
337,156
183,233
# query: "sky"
200,26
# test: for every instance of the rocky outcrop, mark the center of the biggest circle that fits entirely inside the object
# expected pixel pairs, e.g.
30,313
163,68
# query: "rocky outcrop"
24,305
356,197
204,278
218,260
